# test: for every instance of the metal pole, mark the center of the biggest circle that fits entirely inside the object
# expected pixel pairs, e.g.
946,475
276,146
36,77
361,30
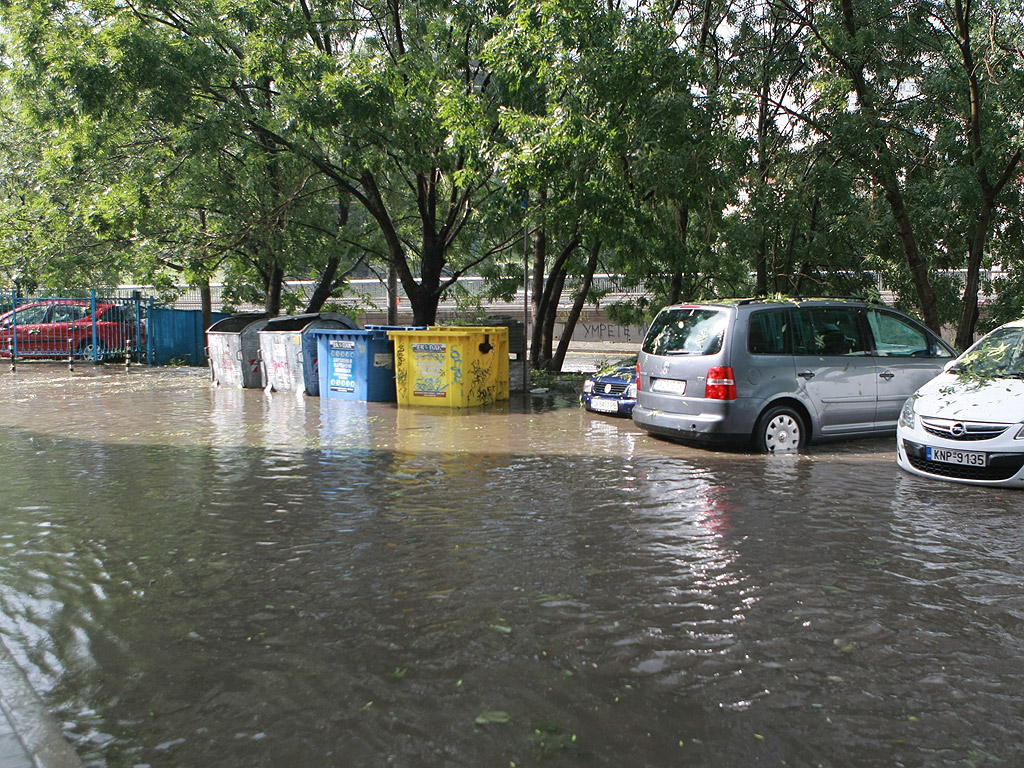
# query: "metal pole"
95,331
526,299
149,336
14,329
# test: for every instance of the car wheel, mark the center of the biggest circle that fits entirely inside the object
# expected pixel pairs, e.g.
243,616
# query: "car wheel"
86,351
780,429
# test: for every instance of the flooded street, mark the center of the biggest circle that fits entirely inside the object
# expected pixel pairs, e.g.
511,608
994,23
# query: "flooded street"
194,576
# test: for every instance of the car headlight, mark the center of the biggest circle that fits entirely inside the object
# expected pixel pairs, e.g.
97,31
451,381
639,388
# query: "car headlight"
631,390
907,414
588,386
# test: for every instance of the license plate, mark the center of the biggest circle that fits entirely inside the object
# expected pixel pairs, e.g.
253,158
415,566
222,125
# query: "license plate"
950,456
604,406
671,386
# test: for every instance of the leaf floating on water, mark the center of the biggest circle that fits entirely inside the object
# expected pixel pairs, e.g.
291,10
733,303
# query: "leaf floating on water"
828,590
492,716
501,628
844,648
558,598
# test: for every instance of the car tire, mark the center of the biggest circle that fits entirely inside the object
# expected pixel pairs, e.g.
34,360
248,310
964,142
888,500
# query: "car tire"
780,429
85,351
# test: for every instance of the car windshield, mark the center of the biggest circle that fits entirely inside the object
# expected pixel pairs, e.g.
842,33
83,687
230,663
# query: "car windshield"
686,331
1001,353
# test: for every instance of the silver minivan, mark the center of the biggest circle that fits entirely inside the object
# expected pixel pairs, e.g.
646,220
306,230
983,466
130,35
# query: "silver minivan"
777,374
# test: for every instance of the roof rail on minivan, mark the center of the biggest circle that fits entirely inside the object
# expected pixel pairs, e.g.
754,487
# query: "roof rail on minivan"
755,299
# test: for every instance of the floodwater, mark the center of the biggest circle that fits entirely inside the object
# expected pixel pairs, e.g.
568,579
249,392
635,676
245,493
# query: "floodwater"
193,576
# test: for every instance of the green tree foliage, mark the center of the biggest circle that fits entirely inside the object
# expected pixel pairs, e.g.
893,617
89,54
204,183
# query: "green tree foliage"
693,148
925,97
269,116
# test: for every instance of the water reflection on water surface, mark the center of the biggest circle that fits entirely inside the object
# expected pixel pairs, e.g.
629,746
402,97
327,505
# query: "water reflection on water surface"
197,576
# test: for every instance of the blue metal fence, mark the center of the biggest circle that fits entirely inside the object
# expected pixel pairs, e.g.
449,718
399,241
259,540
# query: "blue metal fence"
92,328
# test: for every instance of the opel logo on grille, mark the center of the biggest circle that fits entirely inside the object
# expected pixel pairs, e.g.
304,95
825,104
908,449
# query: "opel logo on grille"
607,388
957,429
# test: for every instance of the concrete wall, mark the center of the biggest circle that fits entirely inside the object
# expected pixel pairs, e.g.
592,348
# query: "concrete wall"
593,325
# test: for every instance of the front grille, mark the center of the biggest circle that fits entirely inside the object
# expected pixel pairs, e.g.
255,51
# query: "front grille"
1001,466
610,388
948,429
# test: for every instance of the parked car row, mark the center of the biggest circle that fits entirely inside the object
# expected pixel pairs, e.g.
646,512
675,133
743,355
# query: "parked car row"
60,328
777,375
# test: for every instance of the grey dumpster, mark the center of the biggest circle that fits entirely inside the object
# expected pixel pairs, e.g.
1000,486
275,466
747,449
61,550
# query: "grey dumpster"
233,349
288,351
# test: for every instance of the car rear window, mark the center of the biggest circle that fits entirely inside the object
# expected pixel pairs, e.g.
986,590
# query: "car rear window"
686,331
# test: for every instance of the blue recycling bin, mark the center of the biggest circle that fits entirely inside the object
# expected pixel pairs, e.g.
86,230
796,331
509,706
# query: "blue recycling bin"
358,364
287,360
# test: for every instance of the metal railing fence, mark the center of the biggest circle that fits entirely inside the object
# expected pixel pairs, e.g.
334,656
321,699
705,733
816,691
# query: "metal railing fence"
93,328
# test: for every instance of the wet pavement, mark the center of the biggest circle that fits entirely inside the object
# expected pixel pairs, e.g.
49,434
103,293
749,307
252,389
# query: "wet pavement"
29,736
198,576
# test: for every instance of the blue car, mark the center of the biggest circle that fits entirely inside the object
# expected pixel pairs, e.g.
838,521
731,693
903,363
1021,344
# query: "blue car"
611,390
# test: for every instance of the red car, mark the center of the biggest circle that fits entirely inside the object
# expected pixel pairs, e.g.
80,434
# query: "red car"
62,327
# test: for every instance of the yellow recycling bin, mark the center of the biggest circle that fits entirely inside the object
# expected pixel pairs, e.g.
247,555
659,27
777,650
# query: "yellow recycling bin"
451,366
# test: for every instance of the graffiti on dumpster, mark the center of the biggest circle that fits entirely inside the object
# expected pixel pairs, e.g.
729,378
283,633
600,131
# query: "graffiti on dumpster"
430,361
456,366
481,390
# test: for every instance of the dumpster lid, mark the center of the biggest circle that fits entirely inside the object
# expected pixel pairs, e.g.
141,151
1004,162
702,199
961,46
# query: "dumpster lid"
236,323
312,320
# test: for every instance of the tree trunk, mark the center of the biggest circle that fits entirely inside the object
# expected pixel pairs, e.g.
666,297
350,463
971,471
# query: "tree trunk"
887,179
989,190
324,287
540,254
272,292
969,302
557,282
918,268
206,303
423,296
392,295
577,308
675,291
547,306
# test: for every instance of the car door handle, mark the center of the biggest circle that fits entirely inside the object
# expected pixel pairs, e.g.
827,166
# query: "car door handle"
806,375
887,375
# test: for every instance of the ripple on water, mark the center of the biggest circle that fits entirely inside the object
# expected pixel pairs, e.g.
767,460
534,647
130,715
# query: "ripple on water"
240,585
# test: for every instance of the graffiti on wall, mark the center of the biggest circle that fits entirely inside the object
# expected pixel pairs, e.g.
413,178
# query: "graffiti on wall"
604,331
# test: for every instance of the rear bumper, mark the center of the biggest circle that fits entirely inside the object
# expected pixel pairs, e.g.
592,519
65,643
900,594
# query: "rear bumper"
713,428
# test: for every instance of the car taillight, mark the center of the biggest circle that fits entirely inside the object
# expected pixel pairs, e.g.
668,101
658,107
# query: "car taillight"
721,384
637,375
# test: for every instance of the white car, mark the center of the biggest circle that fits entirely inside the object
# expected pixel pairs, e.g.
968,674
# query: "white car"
967,424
